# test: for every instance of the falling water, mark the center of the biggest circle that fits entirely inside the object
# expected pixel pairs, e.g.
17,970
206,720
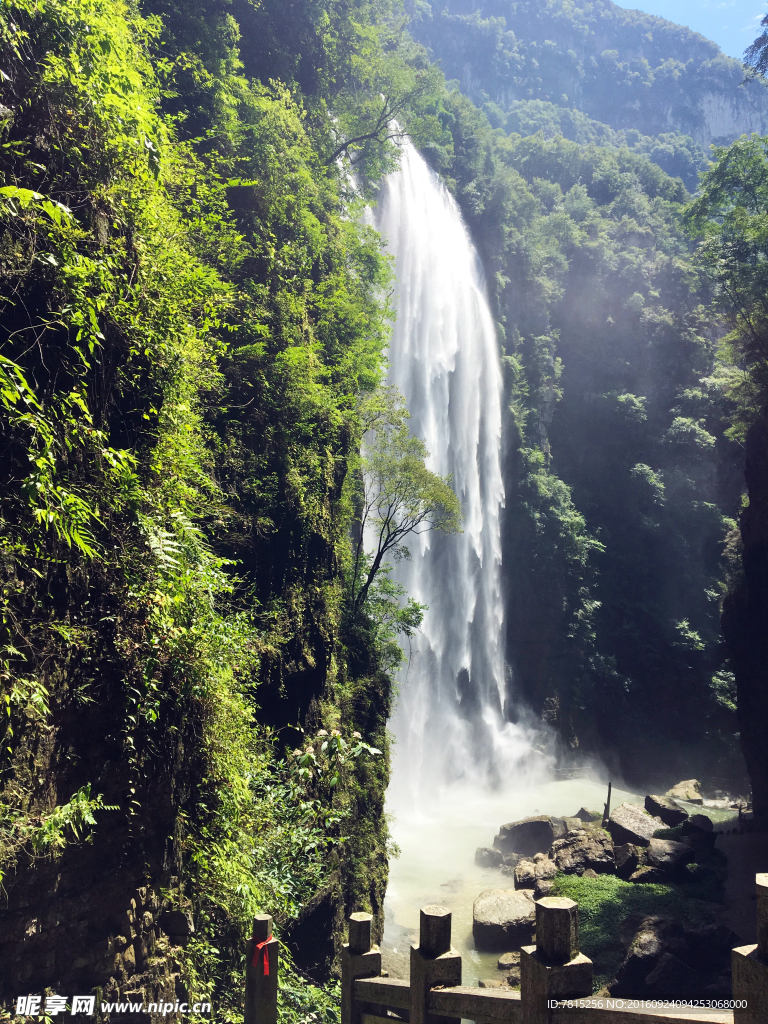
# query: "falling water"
449,721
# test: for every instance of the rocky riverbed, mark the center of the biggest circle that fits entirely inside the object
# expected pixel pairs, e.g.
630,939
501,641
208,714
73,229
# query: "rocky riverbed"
437,865
656,859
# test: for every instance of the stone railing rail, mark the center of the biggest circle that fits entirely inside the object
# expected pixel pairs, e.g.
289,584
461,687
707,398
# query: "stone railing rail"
552,973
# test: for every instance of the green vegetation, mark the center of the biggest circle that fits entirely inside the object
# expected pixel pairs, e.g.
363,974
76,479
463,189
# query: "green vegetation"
621,480
196,650
605,902
597,69
731,220
191,321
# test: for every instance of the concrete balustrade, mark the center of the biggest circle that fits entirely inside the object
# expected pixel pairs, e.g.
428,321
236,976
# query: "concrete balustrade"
553,969
261,973
433,962
749,965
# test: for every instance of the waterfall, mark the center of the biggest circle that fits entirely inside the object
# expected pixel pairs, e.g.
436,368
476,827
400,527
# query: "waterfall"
449,720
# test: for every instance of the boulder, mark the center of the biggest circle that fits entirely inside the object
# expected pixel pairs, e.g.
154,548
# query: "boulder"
509,960
573,824
525,875
668,856
529,872
509,863
629,823
586,815
503,919
488,858
666,958
590,873
529,836
672,977
627,860
711,943
544,887
653,937
664,807
701,822
491,983
688,790
647,874
584,849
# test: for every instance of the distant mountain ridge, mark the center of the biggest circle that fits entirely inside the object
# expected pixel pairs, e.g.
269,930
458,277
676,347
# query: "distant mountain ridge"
622,68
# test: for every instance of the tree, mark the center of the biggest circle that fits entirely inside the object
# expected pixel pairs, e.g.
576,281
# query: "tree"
731,214
396,495
756,55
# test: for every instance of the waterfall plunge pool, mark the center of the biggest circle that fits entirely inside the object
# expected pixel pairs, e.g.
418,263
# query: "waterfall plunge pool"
437,860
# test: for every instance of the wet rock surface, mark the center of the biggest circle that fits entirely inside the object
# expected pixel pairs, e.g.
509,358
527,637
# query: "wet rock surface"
530,835
664,807
630,823
668,856
667,958
529,872
689,790
584,849
627,860
486,857
544,887
503,919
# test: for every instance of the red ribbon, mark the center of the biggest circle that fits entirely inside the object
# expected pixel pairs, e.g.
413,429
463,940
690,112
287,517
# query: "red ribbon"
262,947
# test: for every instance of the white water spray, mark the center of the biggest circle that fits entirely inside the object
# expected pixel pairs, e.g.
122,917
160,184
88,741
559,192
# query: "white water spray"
449,722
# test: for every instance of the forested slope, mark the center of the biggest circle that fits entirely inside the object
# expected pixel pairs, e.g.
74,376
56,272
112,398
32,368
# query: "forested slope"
595,72
192,314
621,483
193,333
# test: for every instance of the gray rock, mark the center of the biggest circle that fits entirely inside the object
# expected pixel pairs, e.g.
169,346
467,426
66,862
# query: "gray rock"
525,875
590,873
529,872
668,856
586,815
544,887
646,874
529,836
701,822
503,919
653,936
575,823
584,849
509,960
509,864
488,858
672,977
711,943
688,790
667,809
627,860
629,823
491,983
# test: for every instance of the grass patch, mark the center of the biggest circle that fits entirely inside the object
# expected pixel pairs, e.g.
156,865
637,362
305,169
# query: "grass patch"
604,902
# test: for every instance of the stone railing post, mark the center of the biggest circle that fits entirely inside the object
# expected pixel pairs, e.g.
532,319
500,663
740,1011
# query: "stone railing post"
261,967
359,959
750,966
553,968
433,962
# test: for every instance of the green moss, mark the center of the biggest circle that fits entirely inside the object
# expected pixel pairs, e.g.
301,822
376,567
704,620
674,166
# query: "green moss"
606,901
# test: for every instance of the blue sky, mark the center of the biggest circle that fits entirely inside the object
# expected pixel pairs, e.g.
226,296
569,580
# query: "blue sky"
733,24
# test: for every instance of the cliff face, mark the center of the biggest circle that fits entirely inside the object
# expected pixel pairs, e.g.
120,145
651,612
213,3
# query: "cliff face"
745,612
172,529
625,69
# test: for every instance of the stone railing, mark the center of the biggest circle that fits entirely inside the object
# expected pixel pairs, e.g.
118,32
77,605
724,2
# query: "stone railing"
553,973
